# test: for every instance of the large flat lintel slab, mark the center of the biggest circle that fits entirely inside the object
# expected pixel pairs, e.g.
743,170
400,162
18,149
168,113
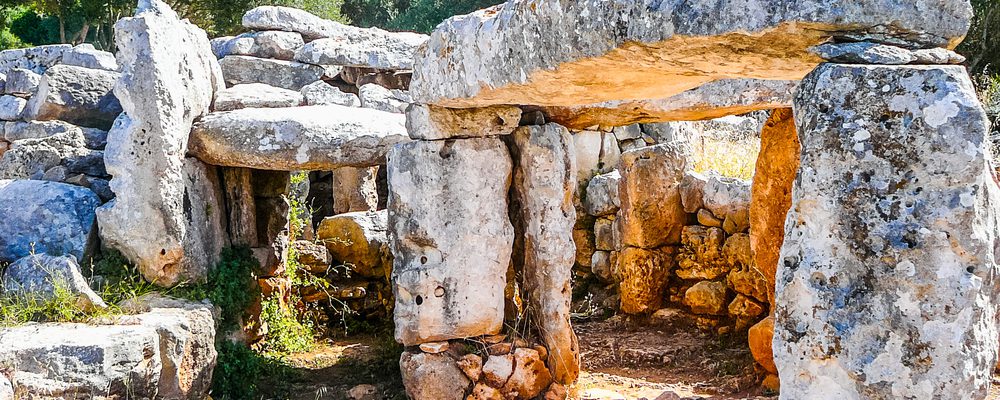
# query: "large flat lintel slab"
312,138
574,53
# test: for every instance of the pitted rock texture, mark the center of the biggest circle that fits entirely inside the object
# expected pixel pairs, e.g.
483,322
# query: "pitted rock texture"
268,44
435,123
771,192
651,213
545,184
46,218
884,54
312,138
372,48
546,52
289,75
166,352
602,194
168,78
36,59
888,274
644,274
708,101
432,377
449,277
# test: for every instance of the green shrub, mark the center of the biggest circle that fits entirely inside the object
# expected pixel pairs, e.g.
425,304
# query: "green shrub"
231,285
239,371
285,332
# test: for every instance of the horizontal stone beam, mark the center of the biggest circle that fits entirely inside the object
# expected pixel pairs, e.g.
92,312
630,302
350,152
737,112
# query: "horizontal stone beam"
574,53
311,138
709,101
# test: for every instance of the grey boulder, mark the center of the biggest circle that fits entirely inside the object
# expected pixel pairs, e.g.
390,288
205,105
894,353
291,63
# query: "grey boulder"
78,95
86,56
46,218
289,75
255,95
42,277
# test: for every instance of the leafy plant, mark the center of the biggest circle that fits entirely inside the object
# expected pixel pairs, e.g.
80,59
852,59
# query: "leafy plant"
285,332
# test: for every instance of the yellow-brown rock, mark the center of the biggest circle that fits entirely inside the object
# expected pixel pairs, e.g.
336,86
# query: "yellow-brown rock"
760,336
358,240
651,213
771,193
644,274
530,376
484,392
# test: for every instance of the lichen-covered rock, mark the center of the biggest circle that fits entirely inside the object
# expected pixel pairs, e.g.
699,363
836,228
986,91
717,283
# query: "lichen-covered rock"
356,47
651,213
321,93
32,158
602,194
11,107
771,192
448,277
289,75
77,95
46,218
432,377
382,99
86,56
255,95
313,138
358,239
519,52
22,82
888,268
268,44
167,352
707,297
644,274
168,78
36,59
700,255
544,184
42,277
883,54
436,123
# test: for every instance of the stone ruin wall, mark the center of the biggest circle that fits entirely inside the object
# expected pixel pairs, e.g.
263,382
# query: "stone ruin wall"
461,219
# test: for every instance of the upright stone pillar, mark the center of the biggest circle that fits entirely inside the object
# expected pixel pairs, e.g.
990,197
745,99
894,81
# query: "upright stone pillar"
887,281
354,189
451,237
544,182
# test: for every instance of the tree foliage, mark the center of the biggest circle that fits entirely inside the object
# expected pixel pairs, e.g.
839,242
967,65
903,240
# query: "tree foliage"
982,44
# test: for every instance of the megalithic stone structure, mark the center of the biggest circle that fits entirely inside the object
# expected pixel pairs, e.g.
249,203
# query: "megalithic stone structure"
888,274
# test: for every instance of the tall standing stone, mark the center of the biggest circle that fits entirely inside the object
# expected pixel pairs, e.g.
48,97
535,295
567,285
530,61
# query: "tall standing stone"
169,77
355,189
887,283
771,192
544,182
451,237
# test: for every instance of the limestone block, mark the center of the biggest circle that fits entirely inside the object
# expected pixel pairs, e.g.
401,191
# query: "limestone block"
449,277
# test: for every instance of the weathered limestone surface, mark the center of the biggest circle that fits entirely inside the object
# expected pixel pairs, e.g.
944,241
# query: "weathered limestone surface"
643,275
256,95
434,123
887,283
358,239
771,192
449,277
544,183
321,93
651,213
40,276
268,44
47,218
371,48
602,194
312,138
37,59
289,75
355,189
432,377
166,352
11,107
711,100
169,77
389,100
86,56
547,52
78,95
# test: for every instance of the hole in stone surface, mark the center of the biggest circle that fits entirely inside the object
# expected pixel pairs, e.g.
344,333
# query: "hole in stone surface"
420,300
163,252
818,279
439,292
971,269
423,259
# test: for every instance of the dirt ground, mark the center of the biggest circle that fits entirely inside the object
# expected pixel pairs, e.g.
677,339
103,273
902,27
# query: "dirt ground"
623,359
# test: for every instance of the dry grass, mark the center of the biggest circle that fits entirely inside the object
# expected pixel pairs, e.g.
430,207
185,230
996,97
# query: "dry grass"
731,158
